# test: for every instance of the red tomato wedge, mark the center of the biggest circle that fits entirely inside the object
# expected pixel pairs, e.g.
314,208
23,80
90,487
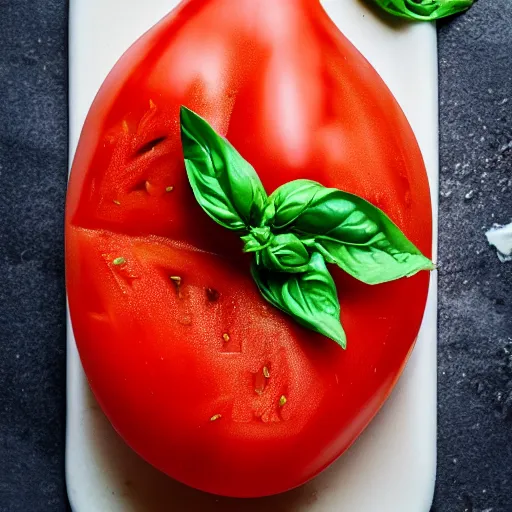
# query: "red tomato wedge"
195,370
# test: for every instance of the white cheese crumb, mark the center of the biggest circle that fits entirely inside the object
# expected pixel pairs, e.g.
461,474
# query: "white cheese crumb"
501,238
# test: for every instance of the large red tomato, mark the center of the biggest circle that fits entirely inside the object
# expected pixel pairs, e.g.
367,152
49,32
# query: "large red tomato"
174,340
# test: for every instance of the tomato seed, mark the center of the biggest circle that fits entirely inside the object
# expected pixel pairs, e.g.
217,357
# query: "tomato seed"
186,320
266,373
212,295
177,282
225,337
115,201
119,261
169,189
216,417
282,401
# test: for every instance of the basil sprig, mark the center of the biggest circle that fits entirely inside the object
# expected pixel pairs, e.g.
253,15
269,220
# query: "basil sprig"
424,10
296,231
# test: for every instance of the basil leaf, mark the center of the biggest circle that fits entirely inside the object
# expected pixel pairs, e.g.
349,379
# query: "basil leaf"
288,202
257,239
224,184
347,230
424,10
280,253
309,297
285,253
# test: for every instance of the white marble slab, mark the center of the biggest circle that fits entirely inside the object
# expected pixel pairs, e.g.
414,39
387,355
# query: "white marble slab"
391,468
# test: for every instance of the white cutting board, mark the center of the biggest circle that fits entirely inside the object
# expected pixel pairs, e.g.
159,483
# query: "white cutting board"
391,468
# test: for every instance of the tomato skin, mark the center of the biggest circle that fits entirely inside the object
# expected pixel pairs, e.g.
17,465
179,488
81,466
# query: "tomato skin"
298,101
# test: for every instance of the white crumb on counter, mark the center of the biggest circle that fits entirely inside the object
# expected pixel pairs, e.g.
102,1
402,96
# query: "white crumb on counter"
501,238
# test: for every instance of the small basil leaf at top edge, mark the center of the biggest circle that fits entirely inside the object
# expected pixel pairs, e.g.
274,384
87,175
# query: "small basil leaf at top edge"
424,10
224,184
347,230
309,297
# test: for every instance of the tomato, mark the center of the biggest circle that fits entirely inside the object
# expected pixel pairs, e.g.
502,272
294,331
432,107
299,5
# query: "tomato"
187,360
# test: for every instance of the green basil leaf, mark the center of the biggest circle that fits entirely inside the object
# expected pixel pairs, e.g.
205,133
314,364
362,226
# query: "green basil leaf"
285,253
251,244
289,202
257,239
347,230
309,297
424,10
224,184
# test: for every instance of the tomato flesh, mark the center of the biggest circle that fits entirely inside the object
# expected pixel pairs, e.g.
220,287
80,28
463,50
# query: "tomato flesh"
202,377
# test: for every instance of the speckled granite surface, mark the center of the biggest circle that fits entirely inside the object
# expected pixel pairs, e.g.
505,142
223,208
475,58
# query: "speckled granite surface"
475,299
475,345
33,160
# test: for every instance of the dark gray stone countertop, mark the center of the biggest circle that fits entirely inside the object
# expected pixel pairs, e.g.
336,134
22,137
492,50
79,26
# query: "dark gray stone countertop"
475,296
